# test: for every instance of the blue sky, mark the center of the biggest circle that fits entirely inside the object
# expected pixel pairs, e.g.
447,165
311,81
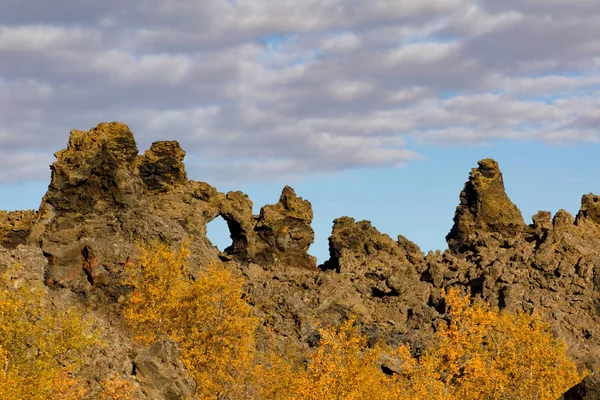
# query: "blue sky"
376,109
418,201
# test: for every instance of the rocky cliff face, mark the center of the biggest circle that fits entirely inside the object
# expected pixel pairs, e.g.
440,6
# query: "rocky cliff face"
104,197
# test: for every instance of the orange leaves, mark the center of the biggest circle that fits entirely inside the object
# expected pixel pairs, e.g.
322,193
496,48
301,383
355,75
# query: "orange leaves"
207,317
39,347
117,388
483,353
480,352
158,279
217,339
66,387
342,367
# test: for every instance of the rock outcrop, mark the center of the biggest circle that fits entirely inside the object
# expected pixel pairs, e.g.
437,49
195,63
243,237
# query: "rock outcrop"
485,211
104,198
15,227
549,267
161,374
161,167
282,233
590,209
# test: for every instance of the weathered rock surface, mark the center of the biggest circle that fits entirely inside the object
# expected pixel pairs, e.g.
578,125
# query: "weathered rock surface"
485,211
549,267
15,227
118,352
161,374
282,232
104,197
161,167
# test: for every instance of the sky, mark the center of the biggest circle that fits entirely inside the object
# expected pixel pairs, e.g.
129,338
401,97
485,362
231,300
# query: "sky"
374,109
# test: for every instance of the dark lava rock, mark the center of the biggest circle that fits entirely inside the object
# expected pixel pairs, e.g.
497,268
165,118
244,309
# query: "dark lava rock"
161,167
103,199
15,227
484,209
283,233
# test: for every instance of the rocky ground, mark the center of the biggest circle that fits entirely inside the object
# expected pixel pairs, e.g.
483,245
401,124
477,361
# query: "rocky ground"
104,197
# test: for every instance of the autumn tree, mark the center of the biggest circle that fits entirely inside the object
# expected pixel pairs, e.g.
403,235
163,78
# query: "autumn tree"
206,315
480,353
341,367
484,353
40,348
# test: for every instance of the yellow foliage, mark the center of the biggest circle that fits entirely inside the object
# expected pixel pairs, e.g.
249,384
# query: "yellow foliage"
117,388
483,353
275,376
480,353
342,367
207,316
216,331
158,279
39,348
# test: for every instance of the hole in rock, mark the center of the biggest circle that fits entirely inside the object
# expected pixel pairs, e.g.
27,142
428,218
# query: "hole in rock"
218,233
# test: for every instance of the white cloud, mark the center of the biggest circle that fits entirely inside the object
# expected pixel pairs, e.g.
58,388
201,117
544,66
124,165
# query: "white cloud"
347,91
407,95
44,38
343,42
149,68
289,88
558,84
474,21
23,165
421,53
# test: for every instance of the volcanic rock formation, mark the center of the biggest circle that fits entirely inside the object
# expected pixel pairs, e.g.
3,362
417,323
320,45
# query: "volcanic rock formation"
104,198
485,211
15,227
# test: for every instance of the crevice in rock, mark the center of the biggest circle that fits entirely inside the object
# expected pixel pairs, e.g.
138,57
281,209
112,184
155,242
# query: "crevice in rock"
379,293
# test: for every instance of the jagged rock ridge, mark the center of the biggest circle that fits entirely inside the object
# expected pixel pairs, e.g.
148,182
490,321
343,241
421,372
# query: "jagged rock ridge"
104,197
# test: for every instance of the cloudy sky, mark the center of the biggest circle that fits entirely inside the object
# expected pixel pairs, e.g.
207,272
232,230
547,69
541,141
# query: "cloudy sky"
376,109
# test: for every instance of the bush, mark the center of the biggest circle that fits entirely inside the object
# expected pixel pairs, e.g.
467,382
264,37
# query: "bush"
116,387
40,349
341,367
480,352
207,316
483,353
